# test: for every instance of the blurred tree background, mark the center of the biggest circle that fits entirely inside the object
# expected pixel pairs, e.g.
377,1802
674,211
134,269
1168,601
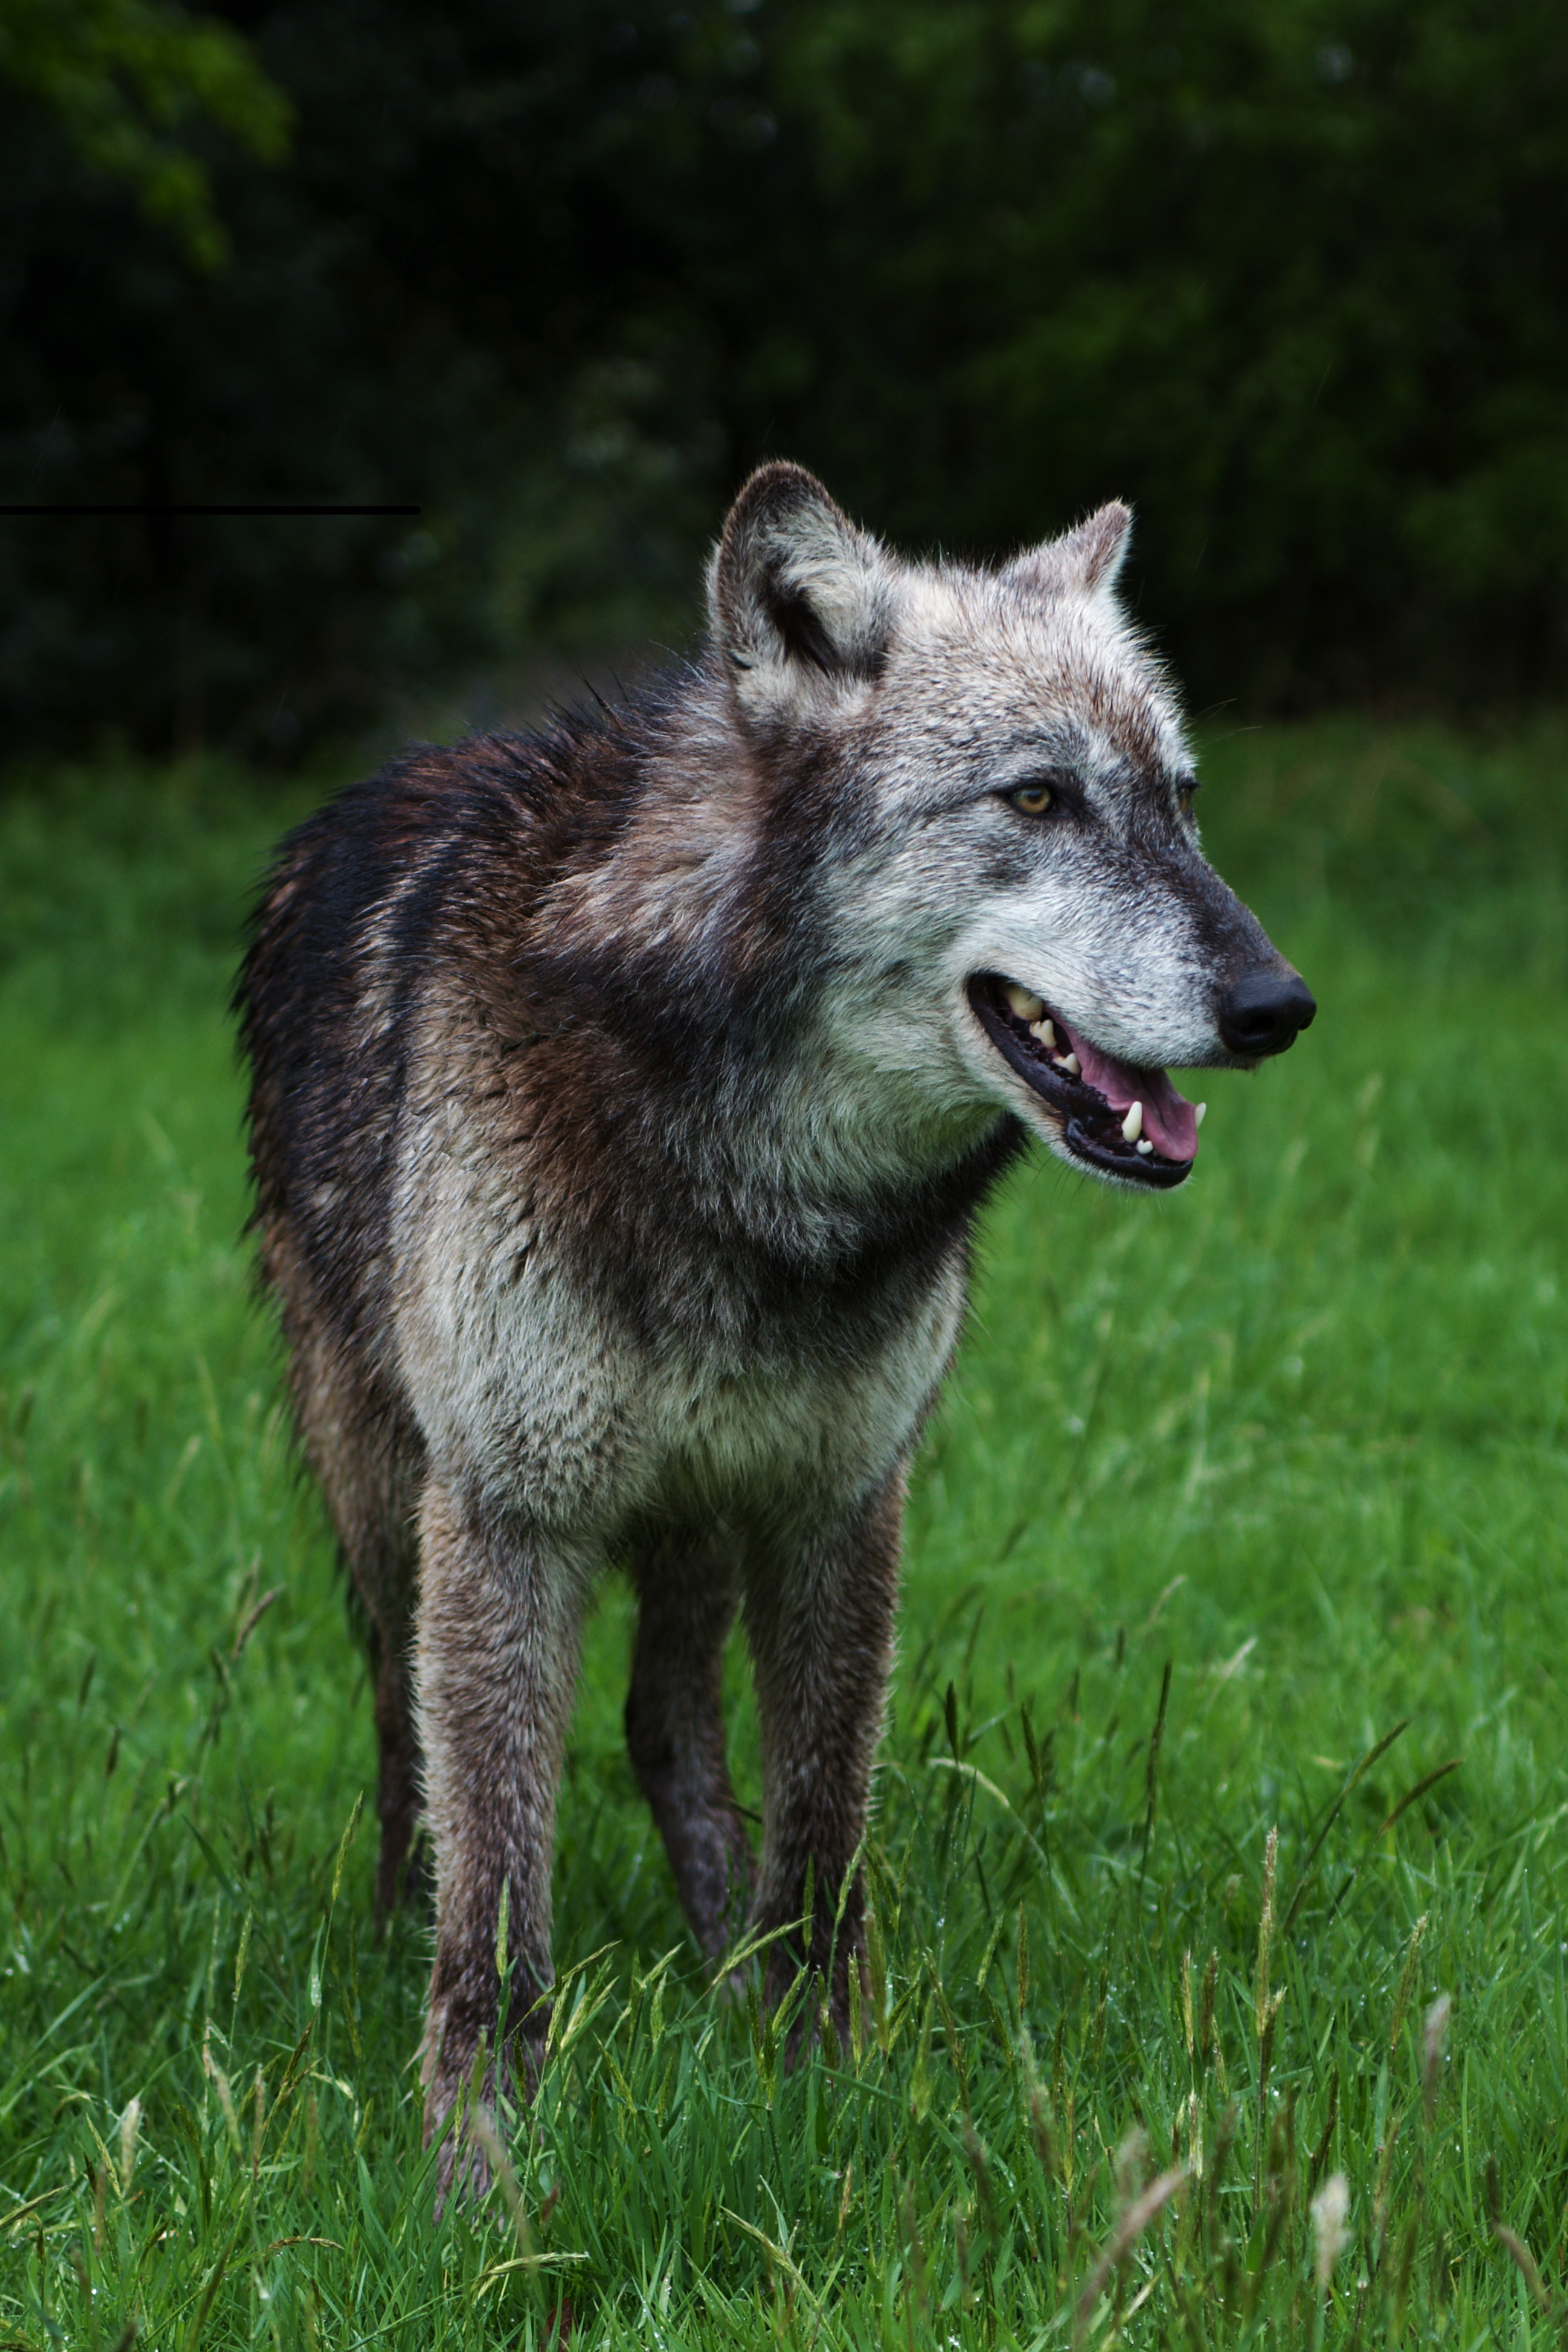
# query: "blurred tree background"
1290,274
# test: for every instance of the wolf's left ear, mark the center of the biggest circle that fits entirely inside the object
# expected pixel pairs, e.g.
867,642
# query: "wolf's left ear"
1085,561
798,599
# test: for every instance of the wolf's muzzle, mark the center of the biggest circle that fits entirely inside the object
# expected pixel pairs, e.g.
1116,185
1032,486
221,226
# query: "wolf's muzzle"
1264,1011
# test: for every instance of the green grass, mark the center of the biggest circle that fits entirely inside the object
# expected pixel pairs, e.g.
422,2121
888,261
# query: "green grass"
1295,1436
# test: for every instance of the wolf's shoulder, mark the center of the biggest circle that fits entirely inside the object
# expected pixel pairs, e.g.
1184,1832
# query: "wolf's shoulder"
494,816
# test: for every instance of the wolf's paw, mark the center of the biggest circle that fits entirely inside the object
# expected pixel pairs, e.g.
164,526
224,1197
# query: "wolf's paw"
463,2105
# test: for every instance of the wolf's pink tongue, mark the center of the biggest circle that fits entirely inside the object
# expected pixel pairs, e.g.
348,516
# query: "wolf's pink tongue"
1169,1121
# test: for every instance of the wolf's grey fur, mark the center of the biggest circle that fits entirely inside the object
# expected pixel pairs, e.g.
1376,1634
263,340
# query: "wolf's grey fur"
622,1100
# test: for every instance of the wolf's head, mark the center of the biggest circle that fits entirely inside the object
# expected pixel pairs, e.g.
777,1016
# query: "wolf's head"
986,776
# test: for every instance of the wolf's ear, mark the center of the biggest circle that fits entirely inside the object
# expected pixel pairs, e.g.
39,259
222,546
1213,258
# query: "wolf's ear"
1085,561
798,599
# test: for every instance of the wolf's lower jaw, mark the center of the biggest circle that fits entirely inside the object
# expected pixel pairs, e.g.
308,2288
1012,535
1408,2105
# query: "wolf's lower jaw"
1092,1131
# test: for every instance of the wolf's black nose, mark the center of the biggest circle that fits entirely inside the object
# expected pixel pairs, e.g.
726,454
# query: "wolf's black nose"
1263,1013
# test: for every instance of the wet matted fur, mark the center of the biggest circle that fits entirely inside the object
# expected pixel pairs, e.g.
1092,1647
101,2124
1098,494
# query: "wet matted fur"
621,1100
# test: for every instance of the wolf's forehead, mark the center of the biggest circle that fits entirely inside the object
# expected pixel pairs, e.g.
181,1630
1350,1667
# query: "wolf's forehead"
983,670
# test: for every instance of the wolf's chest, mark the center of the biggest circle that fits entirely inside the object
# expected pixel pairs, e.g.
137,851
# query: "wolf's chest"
531,1376
714,1436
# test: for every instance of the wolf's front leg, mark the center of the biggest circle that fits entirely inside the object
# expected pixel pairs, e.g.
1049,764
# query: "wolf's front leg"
819,1617
500,1617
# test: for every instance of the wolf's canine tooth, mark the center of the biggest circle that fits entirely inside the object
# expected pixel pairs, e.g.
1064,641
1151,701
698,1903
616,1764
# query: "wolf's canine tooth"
1133,1125
1198,1114
1026,1006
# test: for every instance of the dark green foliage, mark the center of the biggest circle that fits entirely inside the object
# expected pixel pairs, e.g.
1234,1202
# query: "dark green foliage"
1292,277
1285,275
122,78
1228,1490
435,302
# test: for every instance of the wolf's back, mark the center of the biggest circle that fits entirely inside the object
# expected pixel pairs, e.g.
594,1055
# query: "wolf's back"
362,912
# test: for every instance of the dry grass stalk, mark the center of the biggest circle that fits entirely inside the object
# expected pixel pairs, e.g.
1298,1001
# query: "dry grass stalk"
1513,2245
1320,2155
1151,1778
487,2140
1134,2220
1521,2255
1309,1866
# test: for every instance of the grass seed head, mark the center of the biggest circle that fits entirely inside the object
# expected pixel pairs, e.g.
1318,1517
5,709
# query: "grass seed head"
1407,1981
1434,2042
1330,2234
1266,1928
130,2126
1206,2014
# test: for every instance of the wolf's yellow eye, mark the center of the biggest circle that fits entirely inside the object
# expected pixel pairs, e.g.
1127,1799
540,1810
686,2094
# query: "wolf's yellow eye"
1184,796
1033,799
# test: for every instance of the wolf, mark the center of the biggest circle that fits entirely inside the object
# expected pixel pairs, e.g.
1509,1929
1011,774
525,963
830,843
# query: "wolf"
622,1098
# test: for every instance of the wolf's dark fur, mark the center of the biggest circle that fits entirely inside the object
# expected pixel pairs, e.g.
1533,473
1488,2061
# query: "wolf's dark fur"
597,1240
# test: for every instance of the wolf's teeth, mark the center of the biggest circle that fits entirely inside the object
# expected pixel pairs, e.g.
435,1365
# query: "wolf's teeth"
1045,1033
1145,1147
1027,1007
1071,1064
1133,1125
1198,1114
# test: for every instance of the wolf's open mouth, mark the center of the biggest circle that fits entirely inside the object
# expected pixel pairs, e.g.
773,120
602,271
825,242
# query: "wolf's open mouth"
1126,1122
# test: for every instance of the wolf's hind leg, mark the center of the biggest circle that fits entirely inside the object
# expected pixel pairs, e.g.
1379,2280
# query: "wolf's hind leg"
819,1618
675,1731
372,1505
397,1794
499,1622
367,1460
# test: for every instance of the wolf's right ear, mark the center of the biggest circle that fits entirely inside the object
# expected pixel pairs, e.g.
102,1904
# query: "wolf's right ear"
1084,561
799,601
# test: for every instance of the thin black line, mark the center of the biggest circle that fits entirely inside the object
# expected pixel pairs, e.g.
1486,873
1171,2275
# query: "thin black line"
209,511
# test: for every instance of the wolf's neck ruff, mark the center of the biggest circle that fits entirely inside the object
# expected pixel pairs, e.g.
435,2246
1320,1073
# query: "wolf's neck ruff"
739,1102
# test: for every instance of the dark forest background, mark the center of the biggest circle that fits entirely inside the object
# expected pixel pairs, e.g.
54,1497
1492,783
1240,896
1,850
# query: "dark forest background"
1293,275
